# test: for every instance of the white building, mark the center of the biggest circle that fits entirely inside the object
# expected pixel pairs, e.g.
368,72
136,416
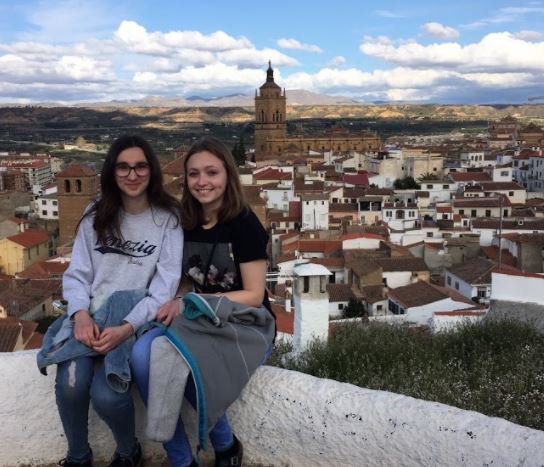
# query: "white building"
46,207
315,211
311,302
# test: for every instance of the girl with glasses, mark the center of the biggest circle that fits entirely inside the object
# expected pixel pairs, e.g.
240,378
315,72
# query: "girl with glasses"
129,240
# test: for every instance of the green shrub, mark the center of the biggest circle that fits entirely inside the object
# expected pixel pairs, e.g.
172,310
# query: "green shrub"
493,367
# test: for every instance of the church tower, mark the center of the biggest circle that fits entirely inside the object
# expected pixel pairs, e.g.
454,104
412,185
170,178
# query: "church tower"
270,117
77,186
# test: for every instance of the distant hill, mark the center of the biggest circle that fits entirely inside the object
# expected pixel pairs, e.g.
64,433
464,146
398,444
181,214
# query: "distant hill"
294,97
171,117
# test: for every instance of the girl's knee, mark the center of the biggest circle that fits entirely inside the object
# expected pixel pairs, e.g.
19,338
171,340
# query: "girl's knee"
106,399
71,382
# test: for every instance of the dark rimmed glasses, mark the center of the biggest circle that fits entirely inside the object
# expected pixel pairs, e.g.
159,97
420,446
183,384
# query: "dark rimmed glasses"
141,169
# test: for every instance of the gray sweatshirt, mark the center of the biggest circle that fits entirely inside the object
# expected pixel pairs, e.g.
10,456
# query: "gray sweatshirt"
149,256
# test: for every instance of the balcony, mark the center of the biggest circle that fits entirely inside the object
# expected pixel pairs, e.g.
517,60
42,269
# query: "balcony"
285,418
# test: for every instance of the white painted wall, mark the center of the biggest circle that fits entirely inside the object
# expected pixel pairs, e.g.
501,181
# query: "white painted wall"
311,313
422,314
517,288
398,278
361,243
285,418
447,323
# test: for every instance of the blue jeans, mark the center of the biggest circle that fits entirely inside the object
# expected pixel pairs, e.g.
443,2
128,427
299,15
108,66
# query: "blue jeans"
80,381
178,448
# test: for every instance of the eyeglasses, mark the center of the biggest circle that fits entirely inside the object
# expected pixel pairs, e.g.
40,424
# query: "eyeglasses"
141,169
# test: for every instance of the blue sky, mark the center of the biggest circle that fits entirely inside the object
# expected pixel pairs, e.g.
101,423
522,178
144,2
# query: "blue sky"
421,51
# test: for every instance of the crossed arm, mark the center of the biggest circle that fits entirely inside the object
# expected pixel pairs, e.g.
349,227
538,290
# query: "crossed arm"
254,280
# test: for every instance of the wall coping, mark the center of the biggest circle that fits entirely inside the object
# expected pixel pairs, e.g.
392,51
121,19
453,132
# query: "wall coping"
285,418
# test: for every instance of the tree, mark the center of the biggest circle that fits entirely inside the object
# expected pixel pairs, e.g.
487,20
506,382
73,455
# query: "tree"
239,151
355,309
406,183
428,176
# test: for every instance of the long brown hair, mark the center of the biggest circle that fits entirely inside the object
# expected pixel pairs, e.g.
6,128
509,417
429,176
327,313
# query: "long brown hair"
106,208
234,201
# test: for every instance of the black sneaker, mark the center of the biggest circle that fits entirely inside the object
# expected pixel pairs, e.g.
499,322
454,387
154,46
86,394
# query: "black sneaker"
133,461
66,463
231,457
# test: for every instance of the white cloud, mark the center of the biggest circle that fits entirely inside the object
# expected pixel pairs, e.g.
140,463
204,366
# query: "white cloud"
337,61
389,14
529,35
440,31
135,38
64,69
296,45
217,78
495,52
254,58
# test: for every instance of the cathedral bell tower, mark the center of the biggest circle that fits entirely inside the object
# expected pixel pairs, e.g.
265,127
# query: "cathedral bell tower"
270,117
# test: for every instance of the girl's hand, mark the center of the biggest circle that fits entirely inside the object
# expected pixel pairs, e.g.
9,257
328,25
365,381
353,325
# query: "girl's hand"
169,311
112,337
85,329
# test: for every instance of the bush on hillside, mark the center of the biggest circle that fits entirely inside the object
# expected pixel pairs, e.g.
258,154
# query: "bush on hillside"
492,367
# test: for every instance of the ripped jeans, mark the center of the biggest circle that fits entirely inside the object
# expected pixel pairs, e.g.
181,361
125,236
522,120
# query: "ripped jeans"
79,382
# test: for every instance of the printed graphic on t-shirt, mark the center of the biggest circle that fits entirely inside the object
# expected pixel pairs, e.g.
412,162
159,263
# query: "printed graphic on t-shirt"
221,273
126,247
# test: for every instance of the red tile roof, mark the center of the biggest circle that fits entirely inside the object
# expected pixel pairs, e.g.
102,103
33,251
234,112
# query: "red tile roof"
360,179
9,333
30,238
77,170
285,321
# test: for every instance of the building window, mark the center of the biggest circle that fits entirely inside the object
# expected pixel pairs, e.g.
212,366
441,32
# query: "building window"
306,288
340,306
488,213
456,285
429,234
481,293
43,202
430,187
445,187
44,212
55,203
55,213
510,193
461,212
473,213
67,186
504,173
448,280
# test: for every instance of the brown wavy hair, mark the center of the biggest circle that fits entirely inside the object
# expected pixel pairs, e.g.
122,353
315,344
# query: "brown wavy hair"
106,208
234,201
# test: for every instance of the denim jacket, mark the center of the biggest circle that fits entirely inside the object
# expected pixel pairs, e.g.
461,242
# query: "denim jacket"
60,345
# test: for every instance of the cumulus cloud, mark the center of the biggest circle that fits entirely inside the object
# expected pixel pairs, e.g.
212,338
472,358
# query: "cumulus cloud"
63,70
337,61
217,78
529,35
135,38
495,52
296,45
440,31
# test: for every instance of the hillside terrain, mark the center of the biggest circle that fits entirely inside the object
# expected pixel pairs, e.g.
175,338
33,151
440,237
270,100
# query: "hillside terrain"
177,117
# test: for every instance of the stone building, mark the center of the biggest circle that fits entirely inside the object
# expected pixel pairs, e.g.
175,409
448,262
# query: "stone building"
77,186
271,139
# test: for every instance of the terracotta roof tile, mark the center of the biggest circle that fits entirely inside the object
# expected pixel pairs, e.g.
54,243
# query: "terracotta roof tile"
77,170
9,333
339,292
30,238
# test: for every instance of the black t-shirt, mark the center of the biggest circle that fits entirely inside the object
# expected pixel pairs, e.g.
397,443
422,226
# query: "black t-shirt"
212,257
